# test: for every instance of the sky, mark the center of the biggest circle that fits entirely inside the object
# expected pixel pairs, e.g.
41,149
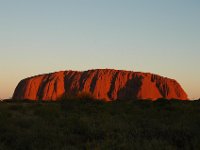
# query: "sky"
157,36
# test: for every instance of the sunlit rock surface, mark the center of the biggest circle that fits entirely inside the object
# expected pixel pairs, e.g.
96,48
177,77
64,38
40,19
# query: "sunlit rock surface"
103,84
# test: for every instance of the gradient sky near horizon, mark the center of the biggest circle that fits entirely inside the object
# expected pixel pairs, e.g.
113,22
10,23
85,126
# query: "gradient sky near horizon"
42,36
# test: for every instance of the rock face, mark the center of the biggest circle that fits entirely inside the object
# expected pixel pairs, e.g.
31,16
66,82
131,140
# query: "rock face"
105,84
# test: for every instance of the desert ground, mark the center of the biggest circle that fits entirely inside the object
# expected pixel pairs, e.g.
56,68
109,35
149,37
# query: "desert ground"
90,124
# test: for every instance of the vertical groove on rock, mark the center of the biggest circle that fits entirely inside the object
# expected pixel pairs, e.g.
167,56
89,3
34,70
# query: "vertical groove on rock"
113,85
42,87
69,76
93,83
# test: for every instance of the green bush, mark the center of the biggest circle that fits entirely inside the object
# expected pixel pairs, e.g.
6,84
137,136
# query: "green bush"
87,124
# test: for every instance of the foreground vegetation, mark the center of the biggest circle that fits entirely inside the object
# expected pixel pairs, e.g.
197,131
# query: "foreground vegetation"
85,124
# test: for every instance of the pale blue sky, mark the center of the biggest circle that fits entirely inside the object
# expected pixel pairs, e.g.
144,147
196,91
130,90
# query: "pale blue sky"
158,36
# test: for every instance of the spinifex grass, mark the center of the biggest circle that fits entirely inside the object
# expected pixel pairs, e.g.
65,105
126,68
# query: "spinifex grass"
86,124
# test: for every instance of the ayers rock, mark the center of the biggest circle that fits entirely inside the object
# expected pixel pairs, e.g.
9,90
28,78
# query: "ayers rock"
104,84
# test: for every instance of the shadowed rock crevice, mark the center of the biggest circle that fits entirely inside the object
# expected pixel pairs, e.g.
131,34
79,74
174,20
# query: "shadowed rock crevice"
131,89
94,80
104,84
44,83
113,85
69,80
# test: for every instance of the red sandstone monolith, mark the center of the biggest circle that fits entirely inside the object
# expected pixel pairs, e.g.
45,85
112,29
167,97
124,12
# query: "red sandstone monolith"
103,84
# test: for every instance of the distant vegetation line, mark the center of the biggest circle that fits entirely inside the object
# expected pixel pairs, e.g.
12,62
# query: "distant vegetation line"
91,124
